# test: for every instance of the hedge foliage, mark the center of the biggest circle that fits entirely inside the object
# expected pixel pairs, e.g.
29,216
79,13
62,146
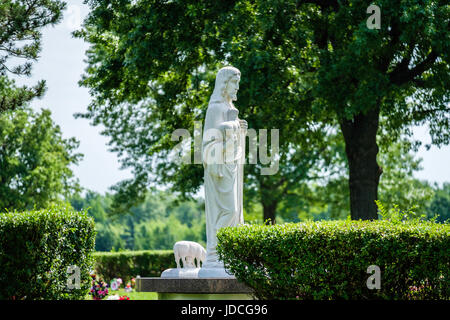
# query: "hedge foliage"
329,259
129,264
36,249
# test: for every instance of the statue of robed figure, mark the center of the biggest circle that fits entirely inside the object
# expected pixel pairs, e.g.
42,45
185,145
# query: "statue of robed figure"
223,156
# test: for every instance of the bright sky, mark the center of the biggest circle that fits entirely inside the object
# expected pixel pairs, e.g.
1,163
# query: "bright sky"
61,64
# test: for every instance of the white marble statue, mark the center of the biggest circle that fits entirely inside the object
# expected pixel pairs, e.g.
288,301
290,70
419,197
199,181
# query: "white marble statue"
189,252
223,155
223,151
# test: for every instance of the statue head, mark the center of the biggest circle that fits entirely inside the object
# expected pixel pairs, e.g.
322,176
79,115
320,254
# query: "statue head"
227,84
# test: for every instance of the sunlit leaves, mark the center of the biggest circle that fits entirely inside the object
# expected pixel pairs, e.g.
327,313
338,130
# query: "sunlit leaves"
35,161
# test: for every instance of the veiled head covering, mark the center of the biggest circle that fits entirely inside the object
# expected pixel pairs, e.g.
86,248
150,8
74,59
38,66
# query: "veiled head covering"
223,76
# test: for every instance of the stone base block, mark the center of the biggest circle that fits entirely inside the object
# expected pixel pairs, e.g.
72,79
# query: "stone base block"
204,296
194,289
195,273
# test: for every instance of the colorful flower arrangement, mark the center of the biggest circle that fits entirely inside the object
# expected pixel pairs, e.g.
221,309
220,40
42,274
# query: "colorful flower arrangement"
415,292
99,289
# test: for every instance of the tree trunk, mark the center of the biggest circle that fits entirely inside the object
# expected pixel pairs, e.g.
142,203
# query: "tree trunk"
269,197
362,149
269,210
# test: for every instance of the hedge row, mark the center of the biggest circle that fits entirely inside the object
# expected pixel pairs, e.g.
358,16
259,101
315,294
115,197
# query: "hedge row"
330,259
128,264
36,249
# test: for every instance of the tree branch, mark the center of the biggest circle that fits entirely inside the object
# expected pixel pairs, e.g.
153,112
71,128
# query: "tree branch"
402,74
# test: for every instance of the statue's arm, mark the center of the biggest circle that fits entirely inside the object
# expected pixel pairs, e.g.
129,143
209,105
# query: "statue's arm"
227,125
217,118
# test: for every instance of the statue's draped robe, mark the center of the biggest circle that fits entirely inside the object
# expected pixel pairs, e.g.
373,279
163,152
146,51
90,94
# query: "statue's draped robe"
222,161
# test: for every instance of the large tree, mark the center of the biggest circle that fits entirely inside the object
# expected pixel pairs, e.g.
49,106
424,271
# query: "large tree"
141,103
35,161
399,72
21,22
330,199
305,64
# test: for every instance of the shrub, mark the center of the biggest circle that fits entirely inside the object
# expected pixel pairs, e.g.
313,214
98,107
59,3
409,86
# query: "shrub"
129,264
329,259
36,249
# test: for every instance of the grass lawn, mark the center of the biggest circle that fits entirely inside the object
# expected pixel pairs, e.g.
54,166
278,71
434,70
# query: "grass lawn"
133,295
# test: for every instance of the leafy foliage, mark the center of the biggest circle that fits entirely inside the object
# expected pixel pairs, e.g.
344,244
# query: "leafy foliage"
21,22
313,64
329,198
396,214
440,204
35,161
36,249
329,259
155,224
398,184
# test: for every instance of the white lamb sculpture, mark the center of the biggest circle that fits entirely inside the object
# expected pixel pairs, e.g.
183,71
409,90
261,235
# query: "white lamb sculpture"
187,251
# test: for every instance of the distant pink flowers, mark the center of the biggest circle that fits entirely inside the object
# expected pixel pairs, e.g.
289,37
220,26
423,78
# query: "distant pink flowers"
99,289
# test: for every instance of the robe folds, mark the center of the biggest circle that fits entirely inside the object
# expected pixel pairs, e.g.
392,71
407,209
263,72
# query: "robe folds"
222,153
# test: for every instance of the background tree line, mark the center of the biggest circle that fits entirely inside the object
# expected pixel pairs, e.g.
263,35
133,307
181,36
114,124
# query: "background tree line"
35,162
344,97
157,223
161,220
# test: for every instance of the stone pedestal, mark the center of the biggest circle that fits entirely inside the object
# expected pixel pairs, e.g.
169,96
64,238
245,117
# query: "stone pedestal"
194,289
197,273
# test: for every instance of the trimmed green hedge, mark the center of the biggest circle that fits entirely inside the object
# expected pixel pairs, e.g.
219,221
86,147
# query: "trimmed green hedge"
36,249
329,259
129,264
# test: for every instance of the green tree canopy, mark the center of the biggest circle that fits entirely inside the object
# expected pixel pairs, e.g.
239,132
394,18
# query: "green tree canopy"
35,161
140,128
21,22
307,66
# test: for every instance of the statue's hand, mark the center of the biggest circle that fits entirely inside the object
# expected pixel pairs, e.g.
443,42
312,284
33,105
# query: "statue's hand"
214,170
243,124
